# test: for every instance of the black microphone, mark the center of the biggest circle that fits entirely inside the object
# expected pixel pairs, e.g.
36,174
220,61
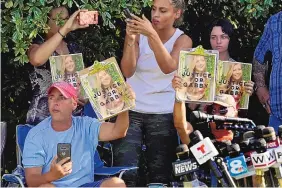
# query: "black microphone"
259,161
269,134
247,148
182,152
259,131
184,165
280,131
204,151
197,116
222,147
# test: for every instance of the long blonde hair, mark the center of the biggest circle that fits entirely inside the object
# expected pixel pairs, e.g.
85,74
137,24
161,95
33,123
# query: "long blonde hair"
63,64
192,69
230,81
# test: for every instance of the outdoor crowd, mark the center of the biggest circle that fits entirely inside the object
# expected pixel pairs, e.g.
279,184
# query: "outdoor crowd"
149,63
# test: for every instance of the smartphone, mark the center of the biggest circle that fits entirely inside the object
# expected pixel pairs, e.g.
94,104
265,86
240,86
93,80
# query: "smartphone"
63,151
127,13
88,17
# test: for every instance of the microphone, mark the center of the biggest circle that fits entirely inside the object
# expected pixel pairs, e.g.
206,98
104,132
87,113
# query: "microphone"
222,147
260,160
259,131
236,162
184,166
197,116
280,131
204,151
247,148
269,134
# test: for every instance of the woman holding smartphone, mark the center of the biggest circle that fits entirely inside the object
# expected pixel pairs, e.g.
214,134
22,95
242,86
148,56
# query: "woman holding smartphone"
150,58
39,53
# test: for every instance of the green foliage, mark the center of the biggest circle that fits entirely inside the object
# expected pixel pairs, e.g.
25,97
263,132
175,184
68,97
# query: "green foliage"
255,8
24,19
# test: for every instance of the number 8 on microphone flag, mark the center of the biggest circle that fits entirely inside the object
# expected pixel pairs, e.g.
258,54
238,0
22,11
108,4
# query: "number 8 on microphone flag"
237,166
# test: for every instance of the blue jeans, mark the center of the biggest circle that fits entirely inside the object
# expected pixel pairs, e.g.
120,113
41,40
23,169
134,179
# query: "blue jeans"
274,122
160,137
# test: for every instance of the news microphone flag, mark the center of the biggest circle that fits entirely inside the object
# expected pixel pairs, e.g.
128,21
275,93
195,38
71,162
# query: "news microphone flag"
237,166
204,150
184,167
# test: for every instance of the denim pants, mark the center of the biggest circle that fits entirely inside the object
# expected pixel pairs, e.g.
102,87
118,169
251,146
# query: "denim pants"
160,137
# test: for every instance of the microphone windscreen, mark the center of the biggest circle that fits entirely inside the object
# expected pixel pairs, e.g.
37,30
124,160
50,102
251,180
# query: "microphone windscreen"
248,135
280,131
197,116
196,136
269,134
235,147
259,131
182,148
261,143
244,145
227,142
245,142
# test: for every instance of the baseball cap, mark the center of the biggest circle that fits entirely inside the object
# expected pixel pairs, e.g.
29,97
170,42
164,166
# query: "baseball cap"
225,100
65,88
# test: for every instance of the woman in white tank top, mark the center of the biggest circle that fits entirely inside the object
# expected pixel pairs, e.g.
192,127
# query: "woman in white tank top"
150,58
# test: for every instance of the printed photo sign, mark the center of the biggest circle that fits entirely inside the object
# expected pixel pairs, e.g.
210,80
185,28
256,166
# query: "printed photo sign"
65,68
105,88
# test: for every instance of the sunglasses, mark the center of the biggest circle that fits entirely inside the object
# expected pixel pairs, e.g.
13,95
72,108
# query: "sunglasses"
222,110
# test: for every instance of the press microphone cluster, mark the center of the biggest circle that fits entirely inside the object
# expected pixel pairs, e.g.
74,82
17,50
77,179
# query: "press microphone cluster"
205,153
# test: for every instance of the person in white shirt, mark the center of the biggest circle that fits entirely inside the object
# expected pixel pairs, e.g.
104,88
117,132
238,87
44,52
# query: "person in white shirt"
150,58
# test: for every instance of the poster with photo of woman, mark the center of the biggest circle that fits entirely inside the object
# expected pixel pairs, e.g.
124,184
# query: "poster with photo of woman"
105,88
197,68
231,79
65,68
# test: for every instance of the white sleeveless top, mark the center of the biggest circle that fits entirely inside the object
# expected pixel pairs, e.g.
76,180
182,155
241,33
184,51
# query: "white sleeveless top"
153,89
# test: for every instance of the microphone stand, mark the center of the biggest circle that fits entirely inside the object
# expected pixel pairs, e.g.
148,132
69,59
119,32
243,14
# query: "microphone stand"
219,161
219,176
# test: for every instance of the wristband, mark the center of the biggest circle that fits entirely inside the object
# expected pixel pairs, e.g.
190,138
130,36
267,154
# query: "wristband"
61,34
130,44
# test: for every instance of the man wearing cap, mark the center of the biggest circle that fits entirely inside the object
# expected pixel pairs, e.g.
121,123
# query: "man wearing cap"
83,133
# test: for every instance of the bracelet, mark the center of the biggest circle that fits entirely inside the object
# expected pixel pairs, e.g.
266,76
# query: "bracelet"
61,34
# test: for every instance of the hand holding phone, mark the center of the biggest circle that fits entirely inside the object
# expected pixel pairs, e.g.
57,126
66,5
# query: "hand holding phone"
88,17
63,151
127,13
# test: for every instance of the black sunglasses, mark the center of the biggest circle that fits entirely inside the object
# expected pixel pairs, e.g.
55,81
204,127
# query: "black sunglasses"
222,110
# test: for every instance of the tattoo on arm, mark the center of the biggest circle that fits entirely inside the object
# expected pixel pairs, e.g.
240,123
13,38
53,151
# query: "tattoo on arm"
259,73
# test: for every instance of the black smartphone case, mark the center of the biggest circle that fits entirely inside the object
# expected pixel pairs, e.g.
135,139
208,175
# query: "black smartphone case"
63,151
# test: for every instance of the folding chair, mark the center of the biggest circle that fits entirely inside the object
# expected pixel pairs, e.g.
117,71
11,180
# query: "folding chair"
18,176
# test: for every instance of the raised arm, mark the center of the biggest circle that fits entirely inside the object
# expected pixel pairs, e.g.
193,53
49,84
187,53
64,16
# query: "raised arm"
183,127
130,52
167,62
39,54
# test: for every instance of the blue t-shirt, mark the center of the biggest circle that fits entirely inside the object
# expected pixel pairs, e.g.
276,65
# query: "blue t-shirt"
40,148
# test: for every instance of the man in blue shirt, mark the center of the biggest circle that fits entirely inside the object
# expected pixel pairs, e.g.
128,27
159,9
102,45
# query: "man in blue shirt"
83,133
271,40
